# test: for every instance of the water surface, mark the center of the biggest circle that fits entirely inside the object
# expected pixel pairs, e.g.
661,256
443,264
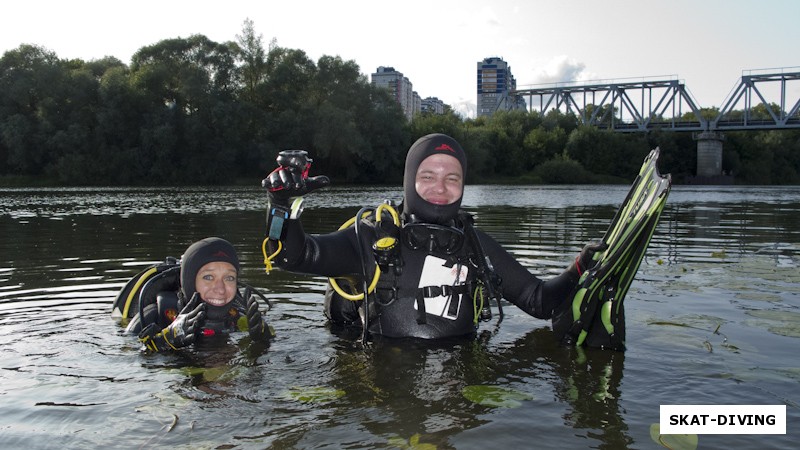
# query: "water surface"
713,317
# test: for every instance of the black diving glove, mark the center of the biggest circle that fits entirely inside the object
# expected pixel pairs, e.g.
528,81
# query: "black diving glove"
586,259
291,178
256,325
181,332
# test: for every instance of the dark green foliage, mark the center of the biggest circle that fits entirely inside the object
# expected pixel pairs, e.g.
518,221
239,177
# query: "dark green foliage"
563,171
194,111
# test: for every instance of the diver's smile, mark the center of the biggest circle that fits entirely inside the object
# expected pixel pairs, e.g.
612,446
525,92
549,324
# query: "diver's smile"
216,282
439,179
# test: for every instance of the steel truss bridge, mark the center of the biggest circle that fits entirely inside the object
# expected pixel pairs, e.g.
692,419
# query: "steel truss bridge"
758,101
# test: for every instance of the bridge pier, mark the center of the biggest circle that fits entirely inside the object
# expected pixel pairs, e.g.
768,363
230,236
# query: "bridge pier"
709,154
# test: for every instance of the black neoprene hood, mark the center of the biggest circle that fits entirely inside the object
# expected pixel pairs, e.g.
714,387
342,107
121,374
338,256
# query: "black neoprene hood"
413,204
212,249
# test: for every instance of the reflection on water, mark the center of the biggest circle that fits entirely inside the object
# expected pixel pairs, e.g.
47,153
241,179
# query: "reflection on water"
713,318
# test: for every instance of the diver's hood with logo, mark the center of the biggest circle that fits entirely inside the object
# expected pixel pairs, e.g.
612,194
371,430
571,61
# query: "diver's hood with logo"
415,208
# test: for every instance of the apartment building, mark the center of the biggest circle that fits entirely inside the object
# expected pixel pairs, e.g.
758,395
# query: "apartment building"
400,88
495,86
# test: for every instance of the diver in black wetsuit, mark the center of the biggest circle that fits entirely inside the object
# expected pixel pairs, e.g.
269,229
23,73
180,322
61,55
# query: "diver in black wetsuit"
209,273
437,271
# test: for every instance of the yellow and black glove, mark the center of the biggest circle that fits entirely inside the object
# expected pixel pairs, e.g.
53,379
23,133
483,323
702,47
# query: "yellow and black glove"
256,325
181,332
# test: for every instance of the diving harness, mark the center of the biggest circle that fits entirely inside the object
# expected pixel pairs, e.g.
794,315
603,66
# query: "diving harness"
159,285
386,254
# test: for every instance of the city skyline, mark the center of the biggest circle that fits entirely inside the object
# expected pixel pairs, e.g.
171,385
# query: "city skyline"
708,44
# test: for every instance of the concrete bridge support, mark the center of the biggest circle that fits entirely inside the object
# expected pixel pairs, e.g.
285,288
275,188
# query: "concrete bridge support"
709,154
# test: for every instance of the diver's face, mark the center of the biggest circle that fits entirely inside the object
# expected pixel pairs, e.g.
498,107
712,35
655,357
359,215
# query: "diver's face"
216,283
439,179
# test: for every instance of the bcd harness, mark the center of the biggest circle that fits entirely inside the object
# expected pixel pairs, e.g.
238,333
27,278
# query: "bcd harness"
159,285
432,238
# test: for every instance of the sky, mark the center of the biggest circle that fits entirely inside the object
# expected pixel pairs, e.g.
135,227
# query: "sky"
437,44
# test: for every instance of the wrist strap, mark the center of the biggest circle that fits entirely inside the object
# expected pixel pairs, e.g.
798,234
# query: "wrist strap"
277,216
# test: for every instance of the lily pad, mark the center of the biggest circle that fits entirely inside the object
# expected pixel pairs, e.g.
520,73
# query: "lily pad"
219,373
783,323
495,396
758,296
673,441
315,394
411,444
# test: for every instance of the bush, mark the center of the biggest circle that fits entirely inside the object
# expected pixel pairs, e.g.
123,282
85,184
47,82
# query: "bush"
563,171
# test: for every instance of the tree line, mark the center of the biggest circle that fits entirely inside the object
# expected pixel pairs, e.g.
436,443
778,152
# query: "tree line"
194,111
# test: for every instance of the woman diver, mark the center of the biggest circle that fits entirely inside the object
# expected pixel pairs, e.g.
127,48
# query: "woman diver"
198,298
427,271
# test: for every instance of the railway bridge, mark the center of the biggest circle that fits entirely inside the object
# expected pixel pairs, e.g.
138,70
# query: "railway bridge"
760,100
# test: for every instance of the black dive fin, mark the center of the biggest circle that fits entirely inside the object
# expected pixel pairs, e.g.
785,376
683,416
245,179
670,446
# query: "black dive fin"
597,316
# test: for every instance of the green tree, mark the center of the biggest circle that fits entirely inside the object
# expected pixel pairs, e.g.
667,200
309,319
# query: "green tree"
605,152
678,152
120,119
283,99
30,77
196,111
337,139
254,60
507,133
190,87
542,145
448,123
384,125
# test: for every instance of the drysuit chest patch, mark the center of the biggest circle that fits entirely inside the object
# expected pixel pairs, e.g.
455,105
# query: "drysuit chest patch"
437,276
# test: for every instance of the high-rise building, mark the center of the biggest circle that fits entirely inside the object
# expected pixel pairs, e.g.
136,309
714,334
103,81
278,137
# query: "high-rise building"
433,105
495,83
400,88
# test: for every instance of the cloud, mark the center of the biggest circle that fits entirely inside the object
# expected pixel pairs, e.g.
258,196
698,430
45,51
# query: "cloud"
465,108
489,16
561,69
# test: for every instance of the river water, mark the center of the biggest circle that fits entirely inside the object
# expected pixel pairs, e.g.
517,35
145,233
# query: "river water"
713,317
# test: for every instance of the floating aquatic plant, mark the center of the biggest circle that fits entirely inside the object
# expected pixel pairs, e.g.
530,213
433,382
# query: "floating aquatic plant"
411,444
783,323
315,394
495,396
673,441
218,373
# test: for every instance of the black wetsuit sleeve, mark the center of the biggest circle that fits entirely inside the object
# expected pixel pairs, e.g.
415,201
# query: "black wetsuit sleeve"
531,294
331,255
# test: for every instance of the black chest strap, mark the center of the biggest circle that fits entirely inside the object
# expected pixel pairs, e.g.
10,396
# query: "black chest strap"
438,291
